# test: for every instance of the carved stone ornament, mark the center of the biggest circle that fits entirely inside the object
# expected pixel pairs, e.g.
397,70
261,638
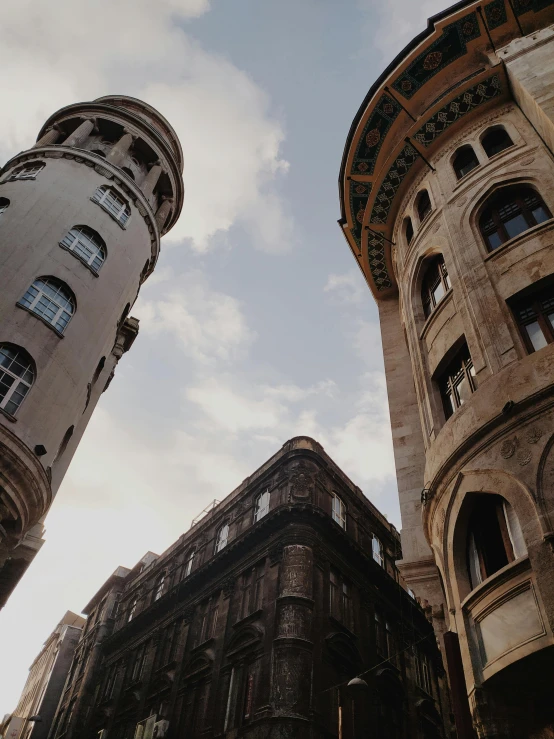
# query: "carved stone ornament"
524,458
302,480
508,448
534,435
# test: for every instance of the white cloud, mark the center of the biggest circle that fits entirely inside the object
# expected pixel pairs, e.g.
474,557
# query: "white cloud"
210,326
68,51
348,288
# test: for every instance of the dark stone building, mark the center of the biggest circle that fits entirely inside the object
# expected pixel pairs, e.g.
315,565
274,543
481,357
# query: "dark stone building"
255,620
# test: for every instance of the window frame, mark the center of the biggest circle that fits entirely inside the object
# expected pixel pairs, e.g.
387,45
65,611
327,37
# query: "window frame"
409,231
436,274
459,368
492,210
339,517
422,194
35,300
488,132
102,196
26,171
261,510
188,563
459,171
132,609
4,205
379,554
96,240
18,380
221,541
159,586
534,304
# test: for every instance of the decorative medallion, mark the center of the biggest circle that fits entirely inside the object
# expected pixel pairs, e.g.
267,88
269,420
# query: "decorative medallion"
508,449
376,128
469,100
495,13
359,193
302,480
377,260
524,458
451,45
534,435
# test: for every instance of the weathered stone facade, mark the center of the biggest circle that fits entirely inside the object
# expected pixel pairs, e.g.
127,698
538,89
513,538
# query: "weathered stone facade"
258,636
469,360
81,216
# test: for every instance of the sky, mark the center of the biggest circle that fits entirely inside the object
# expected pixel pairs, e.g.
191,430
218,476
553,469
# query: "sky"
256,325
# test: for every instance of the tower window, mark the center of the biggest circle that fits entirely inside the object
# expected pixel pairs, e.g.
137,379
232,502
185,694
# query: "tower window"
338,511
377,551
510,212
494,538
128,172
50,299
409,230
17,374
424,206
464,161
222,538
436,284
87,245
133,605
496,140
159,587
458,381
535,317
261,506
4,205
113,203
188,564
27,172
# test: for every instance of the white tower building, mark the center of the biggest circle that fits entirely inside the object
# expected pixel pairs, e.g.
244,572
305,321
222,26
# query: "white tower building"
81,216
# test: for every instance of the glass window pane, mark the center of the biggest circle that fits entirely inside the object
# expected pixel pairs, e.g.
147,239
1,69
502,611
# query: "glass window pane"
515,226
536,336
438,293
550,317
463,390
540,214
494,239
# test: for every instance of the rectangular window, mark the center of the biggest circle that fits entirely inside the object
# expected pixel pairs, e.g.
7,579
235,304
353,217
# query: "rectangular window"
535,317
251,590
340,599
334,594
457,382
380,635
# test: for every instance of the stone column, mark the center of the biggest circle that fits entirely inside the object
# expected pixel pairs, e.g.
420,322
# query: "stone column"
151,179
120,150
291,686
81,133
50,137
163,211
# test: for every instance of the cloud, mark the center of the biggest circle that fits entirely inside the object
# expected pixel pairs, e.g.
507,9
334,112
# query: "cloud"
210,326
348,288
65,52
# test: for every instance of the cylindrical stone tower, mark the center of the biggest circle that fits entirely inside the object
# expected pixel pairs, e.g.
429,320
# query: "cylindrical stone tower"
81,216
447,191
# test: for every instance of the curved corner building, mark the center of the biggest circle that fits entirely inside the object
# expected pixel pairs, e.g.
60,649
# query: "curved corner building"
447,196
81,216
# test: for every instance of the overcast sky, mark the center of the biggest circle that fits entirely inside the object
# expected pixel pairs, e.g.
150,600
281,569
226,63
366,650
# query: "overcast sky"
256,325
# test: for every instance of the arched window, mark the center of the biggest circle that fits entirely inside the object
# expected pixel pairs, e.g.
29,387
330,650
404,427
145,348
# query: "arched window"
27,171
17,374
133,605
4,205
50,299
510,212
338,511
409,230
98,370
464,161
113,203
436,284
65,441
535,316
188,563
128,172
222,538
261,507
159,587
99,152
494,538
496,140
457,382
423,205
377,551
87,245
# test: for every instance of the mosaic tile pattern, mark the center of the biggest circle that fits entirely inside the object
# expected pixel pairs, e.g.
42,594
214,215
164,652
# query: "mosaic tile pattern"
495,14
472,98
377,262
373,135
396,174
525,6
359,193
451,45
